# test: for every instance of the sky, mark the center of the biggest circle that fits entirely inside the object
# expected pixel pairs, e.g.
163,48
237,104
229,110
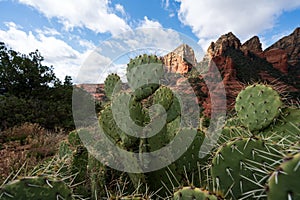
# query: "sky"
88,39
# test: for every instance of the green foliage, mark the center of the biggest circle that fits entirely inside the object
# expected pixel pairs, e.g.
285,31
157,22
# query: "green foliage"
46,188
97,173
23,75
32,93
133,197
163,96
137,110
242,163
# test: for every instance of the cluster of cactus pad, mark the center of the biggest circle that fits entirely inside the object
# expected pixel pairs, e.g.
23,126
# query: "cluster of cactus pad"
145,75
257,155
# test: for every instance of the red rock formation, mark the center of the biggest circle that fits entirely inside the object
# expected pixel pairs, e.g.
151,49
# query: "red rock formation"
252,45
230,83
96,90
227,71
181,60
226,41
278,58
291,45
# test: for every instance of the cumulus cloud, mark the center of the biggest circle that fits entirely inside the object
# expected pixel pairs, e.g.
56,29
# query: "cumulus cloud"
149,37
64,59
120,9
95,15
210,19
150,34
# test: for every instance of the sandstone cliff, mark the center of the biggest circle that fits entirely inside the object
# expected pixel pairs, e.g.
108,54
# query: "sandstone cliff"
291,45
180,60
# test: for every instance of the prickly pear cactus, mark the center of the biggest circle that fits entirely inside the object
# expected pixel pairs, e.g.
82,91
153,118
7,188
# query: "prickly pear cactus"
45,188
112,85
233,129
189,161
163,96
150,107
109,125
284,181
257,106
64,149
97,173
79,169
238,166
287,127
143,74
74,139
193,193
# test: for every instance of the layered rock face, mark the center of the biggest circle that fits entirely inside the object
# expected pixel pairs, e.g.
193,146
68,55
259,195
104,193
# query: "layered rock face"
291,46
225,42
181,60
278,58
252,45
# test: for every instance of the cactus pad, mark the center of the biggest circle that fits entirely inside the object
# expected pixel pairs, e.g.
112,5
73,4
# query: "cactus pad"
257,106
45,188
287,126
237,166
143,74
284,182
164,97
112,84
193,193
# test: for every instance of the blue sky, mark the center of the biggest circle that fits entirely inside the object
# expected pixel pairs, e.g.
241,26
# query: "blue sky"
67,32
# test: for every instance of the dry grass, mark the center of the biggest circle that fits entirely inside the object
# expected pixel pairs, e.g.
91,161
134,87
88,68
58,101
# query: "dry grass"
30,144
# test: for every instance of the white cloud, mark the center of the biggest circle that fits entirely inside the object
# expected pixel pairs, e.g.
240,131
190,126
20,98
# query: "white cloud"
146,23
150,34
149,37
95,15
120,9
93,68
48,31
56,52
210,19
